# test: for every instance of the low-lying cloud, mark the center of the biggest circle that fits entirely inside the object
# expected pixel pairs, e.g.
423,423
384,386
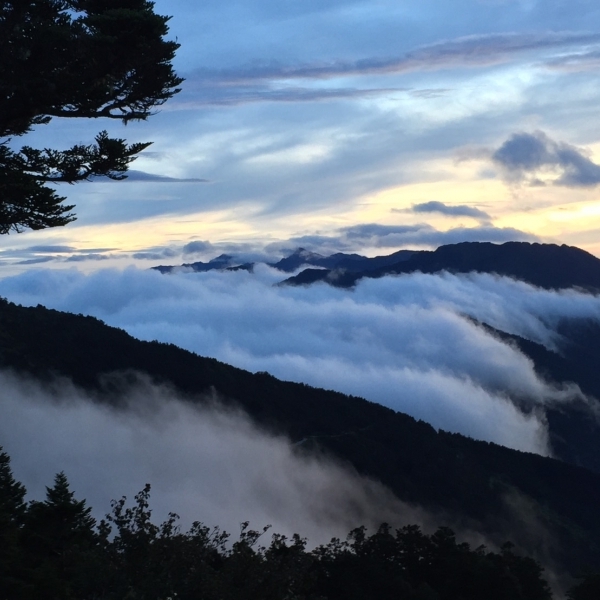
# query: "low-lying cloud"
407,342
204,463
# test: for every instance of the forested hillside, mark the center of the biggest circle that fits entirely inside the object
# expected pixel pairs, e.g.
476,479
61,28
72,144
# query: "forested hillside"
54,549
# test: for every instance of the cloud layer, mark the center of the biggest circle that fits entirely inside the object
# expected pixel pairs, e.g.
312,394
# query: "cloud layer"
376,235
205,464
406,342
254,82
354,238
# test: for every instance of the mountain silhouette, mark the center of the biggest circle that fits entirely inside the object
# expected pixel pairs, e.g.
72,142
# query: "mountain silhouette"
348,262
544,265
296,260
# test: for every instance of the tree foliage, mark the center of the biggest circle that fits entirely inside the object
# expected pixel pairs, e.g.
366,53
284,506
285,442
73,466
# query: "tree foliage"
74,59
61,553
12,512
58,541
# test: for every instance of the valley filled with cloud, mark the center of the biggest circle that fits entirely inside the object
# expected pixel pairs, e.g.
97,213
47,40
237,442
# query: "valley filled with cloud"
413,343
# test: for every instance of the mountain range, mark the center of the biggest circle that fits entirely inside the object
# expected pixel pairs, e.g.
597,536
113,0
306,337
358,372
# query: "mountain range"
544,265
354,263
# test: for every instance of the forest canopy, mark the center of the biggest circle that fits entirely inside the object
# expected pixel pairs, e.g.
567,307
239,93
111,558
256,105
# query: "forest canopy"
74,59
55,549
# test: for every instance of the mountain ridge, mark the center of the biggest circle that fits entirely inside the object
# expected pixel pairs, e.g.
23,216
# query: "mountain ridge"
549,266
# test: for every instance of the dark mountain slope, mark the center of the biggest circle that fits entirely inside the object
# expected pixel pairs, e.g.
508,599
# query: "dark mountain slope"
574,428
544,265
467,481
349,262
220,262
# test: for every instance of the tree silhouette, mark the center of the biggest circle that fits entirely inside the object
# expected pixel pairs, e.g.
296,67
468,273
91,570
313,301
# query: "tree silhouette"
59,542
74,59
12,511
587,589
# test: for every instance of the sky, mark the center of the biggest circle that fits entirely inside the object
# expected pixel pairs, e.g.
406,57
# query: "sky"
299,122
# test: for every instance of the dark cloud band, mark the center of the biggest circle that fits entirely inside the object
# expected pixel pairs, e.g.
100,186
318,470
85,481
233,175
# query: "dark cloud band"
460,210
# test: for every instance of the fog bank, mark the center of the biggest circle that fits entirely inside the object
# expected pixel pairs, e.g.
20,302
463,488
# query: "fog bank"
207,464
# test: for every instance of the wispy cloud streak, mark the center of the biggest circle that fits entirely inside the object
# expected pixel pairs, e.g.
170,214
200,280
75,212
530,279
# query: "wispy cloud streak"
467,51
457,210
272,81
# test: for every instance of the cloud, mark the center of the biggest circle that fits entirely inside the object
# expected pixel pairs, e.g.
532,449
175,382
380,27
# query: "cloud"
54,249
536,159
429,93
271,80
197,247
576,62
221,95
88,256
32,255
133,175
157,253
204,463
459,210
405,342
35,261
82,256
466,51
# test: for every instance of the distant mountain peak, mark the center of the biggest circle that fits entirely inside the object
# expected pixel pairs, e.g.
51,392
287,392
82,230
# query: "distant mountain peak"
221,258
307,254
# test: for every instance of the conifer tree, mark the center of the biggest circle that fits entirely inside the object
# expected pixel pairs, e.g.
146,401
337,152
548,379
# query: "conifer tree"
12,511
74,59
59,541
12,493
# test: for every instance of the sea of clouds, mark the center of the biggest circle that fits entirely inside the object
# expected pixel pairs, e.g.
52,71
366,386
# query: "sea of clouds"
408,342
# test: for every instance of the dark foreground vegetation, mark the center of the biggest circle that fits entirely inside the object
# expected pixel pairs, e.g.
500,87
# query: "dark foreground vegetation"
54,549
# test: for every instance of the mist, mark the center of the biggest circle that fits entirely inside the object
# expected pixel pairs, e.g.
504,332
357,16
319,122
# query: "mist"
207,464
407,342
